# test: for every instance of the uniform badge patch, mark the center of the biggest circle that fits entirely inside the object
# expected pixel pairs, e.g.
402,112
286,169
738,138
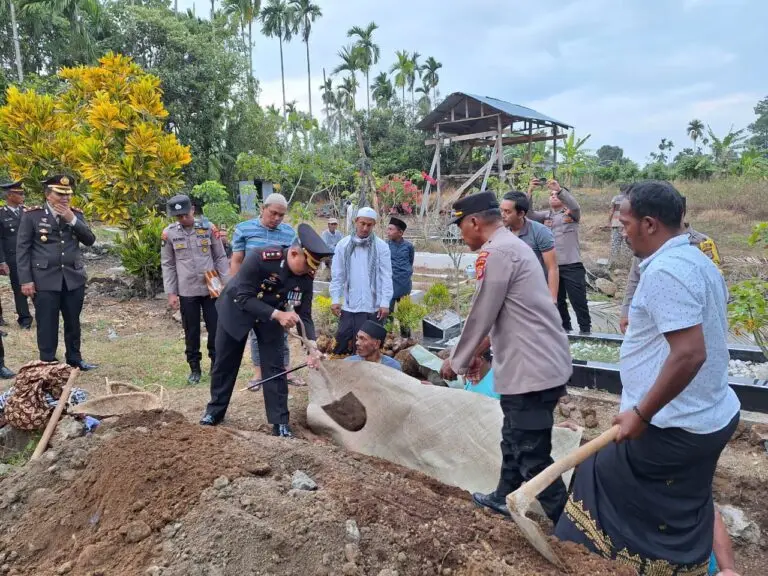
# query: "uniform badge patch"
480,264
271,254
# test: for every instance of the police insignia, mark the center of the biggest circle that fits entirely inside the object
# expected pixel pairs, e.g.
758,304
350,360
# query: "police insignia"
480,264
271,254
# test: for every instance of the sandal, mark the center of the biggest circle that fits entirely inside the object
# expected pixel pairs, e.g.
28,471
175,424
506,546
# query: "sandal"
254,385
296,381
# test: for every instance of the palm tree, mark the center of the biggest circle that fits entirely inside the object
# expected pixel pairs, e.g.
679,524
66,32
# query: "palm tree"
424,101
16,45
348,90
402,70
695,131
278,22
430,75
414,70
306,14
725,150
368,52
574,157
382,90
82,15
350,60
245,12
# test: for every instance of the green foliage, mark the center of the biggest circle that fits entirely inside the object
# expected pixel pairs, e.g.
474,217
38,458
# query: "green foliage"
698,167
23,456
301,212
139,252
210,192
759,128
759,235
437,297
409,314
748,311
222,214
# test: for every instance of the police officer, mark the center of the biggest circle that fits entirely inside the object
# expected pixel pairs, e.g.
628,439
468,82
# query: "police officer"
10,216
190,254
51,268
271,283
512,303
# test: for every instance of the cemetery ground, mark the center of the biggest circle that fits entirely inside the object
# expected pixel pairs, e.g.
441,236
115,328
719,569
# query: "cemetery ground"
175,498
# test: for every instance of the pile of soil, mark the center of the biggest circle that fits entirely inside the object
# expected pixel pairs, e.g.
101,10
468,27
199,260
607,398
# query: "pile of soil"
154,494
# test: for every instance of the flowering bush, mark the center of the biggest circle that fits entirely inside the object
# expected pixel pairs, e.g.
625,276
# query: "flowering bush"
398,194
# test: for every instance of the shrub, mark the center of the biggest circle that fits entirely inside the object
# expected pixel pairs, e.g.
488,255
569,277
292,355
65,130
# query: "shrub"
438,297
748,311
325,320
222,214
409,314
210,192
139,252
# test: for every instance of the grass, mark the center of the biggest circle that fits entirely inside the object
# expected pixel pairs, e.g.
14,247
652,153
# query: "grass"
22,457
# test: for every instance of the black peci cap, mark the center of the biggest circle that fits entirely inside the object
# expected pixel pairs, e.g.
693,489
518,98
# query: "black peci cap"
12,187
179,205
60,183
399,223
314,247
374,330
472,205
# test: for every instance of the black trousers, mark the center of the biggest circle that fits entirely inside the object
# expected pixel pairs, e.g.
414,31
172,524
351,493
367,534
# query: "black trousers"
48,305
190,307
349,325
22,306
573,283
526,444
227,365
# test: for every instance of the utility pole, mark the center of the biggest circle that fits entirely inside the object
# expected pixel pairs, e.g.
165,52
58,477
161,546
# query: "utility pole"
16,45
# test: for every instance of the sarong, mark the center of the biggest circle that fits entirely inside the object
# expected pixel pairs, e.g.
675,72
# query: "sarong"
647,503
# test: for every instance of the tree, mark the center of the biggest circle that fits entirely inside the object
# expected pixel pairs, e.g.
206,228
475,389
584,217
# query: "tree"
278,22
725,150
607,154
402,69
107,128
574,157
16,44
306,14
425,103
246,11
695,132
759,128
413,71
83,16
368,54
350,62
430,76
347,91
382,90
661,156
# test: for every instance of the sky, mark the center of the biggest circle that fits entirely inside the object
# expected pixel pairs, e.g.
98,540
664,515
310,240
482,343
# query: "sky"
628,72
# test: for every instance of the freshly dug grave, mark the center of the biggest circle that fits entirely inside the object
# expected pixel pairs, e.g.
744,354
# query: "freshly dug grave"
154,494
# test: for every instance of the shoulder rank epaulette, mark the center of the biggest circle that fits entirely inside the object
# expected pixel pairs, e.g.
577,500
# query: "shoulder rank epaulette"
272,254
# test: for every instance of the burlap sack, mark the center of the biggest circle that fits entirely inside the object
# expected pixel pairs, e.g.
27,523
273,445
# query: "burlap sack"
451,435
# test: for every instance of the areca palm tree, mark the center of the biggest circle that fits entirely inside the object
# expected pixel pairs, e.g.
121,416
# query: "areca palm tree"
382,90
85,18
16,45
695,131
245,12
348,90
368,53
278,22
430,76
350,60
402,70
306,14
414,70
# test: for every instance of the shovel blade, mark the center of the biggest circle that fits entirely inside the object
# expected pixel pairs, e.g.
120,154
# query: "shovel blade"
348,412
534,535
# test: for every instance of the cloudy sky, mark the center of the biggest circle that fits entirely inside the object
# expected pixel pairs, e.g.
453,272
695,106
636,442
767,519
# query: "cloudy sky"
628,72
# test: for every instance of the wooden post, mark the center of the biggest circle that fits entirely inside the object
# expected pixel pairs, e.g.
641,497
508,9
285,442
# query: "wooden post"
466,107
425,198
488,168
500,153
437,176
554,152
49,429
530,143
453,114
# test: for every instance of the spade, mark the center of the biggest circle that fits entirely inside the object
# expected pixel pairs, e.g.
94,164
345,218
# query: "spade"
520,500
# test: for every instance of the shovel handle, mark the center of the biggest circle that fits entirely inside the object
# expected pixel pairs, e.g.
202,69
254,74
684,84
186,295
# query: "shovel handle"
541,481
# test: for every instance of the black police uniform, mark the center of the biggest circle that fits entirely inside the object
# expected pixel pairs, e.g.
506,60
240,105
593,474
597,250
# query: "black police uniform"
48,254
263,284
10,219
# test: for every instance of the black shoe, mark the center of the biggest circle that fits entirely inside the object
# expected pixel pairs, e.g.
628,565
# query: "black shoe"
194,375
585,332
209,420
6,373
491,501
83,365
282,430
26,325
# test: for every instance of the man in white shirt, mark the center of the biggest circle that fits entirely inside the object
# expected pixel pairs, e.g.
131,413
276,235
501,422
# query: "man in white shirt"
361,280
647,498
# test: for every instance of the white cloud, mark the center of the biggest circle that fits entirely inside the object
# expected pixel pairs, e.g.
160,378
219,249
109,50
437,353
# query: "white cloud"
698,57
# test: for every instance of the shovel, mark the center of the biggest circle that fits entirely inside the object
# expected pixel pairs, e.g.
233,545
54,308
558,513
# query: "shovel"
520,500
348,412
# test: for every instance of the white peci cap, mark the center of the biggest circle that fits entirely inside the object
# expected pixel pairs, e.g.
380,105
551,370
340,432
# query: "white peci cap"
367,213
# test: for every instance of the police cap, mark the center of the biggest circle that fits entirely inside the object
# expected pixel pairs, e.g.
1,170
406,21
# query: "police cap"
472,205
59,183
179,205
374,330
314,247
399,223
12,187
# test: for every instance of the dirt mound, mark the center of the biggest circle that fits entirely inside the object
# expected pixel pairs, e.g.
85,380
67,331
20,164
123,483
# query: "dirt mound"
154,494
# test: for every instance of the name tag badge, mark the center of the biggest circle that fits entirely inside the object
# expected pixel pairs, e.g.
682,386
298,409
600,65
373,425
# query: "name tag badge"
201,232
179,245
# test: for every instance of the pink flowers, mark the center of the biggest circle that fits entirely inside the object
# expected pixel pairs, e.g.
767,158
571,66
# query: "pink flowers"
428,178
399,194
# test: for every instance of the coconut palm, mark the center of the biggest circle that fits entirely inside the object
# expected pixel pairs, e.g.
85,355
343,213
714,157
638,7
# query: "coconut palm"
306,14
430,76
382,90
402,70
245,12
368,53
277,20
695,132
